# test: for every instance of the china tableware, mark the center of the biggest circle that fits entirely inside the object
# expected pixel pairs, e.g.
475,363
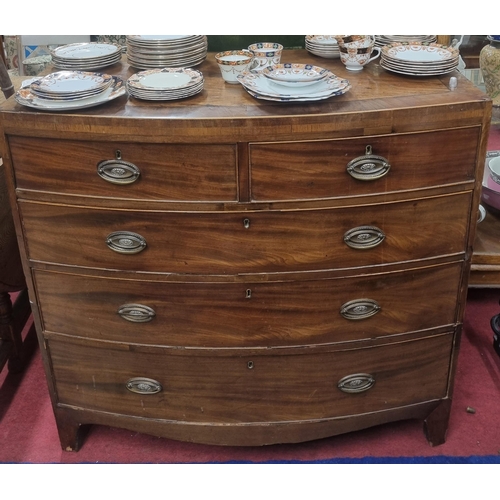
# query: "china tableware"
295,73
161,51
27,98
86,56
265,54
257,85
355,41
490,194
494,169
233,63
419,59
165,84
325,46
355,58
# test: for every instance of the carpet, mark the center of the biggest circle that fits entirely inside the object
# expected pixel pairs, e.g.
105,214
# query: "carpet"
28,431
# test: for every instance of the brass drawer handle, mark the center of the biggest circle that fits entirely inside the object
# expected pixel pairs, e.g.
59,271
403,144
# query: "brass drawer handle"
136,313
356,383
141,385
118,171
126,242
368,167
359,309
364,237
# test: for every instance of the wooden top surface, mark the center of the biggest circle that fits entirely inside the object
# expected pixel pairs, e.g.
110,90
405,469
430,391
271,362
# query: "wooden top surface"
226,107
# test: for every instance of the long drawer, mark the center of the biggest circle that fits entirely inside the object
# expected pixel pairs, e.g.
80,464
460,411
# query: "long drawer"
142,171
238,387
318,169
248,314
246,242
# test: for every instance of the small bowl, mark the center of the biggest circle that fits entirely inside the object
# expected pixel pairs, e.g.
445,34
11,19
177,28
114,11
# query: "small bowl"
494,169
265,54
33,66
233,63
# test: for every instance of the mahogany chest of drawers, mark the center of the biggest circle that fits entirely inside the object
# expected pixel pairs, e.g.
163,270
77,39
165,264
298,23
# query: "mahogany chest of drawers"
232,271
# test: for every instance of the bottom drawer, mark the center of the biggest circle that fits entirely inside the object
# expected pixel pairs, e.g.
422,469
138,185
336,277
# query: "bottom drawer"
231,386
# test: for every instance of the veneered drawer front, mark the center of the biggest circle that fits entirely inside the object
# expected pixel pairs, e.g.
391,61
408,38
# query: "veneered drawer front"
167,172
246,242
248,314
309,170
237,387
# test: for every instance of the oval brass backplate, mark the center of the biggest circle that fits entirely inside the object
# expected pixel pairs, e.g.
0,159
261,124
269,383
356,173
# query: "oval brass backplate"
364,237
126,242
359,309
356,383
118,171
142,385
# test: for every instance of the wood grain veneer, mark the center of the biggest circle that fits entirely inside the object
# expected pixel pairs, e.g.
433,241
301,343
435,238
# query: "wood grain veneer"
262,324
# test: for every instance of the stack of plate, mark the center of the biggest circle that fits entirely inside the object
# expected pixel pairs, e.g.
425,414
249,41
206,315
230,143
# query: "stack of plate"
323,46
419,59
166,84
65,90
381,40
86,56
162,51
293,83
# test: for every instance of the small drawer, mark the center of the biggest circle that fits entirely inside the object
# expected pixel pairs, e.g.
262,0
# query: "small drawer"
248,314
180,172
318,169
246,242
233,387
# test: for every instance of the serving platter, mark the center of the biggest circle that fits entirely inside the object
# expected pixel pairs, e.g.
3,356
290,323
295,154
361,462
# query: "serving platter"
27,98
261,87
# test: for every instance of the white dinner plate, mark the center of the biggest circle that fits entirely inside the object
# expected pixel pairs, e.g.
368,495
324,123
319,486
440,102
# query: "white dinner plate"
25,97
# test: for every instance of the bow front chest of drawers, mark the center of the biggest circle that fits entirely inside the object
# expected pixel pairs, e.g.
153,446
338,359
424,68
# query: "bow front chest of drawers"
236,271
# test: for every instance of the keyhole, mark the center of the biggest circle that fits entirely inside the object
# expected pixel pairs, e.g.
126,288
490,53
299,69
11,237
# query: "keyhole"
248,294
250,365
246,223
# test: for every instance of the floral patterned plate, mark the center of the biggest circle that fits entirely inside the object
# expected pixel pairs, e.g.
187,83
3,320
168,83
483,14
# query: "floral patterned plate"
25,97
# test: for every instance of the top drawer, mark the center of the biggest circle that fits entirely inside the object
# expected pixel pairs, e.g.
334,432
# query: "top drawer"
179,172
317,169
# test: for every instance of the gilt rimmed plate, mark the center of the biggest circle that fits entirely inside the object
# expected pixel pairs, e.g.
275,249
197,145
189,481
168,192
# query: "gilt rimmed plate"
259,84
91,50
71,82
27,98
295,73
298,99
416,52
165,79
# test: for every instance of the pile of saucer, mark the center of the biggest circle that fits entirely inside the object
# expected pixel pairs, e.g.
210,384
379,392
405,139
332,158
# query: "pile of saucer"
419,59
165,84
166,51
86,56
66,90
323,46
292,82
381,40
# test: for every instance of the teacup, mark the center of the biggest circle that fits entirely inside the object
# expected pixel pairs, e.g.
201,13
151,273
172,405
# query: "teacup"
355,58
265,54
357,41
233,63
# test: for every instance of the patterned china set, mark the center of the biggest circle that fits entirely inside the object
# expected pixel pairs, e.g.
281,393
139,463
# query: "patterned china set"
86,56
166,64
68,90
